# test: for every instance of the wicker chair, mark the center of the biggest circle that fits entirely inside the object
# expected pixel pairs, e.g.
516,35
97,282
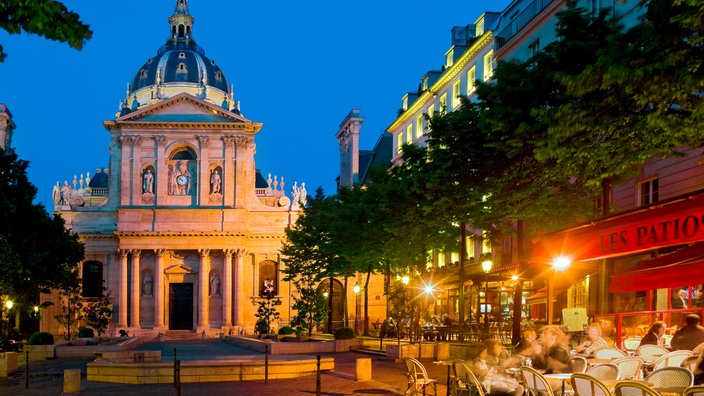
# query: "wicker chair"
609,353
690,363
604,372
694,390
629,367
535,383
651,352
464,381
633,388
671,359
586,385
698,349
579,364
418,378
631,344
668,377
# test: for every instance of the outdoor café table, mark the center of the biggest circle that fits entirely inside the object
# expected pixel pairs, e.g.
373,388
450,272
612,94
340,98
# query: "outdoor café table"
447,363
559,376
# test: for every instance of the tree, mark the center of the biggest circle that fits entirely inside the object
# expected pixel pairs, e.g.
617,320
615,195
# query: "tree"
71,310
47,18
98,312
266,312
37,253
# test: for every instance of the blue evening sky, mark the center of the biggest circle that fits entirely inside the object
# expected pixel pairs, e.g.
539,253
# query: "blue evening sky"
298,67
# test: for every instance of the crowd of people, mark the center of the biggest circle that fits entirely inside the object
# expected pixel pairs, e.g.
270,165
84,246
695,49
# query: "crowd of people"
550,350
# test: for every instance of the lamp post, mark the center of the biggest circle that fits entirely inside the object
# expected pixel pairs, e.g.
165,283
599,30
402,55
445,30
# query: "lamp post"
356,288
486,266
559,263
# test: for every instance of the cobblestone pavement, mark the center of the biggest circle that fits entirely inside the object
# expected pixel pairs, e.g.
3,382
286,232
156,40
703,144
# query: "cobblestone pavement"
388,378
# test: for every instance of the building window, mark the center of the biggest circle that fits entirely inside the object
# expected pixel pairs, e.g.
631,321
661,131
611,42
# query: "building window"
648,192
471,79
268,282
419,126
142,74
534,48
443,103
431,113
92,279
456,94
409,133
488,65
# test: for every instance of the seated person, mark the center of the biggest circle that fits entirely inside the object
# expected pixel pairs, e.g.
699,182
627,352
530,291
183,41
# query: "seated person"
527,347
497,356
655,334
690,335
493,380
555,357
593,342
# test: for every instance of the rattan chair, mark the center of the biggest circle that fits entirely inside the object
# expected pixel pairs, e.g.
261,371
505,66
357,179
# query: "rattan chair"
535,383
668,377
671,359
631,344
464,381
609,353
418,378
586,385
630,367
604,372
698,349
579,364
690,363
633,388
694,390
651,352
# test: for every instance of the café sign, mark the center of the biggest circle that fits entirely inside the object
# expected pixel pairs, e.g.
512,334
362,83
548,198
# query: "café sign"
678,223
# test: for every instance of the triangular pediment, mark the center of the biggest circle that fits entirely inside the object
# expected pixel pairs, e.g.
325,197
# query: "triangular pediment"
185,108
179,269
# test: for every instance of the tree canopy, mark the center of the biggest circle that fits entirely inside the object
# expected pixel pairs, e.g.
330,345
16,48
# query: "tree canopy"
37,252
46,18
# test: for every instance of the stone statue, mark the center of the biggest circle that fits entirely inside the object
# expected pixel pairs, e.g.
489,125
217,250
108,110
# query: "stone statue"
148,182
148,286
66,192
172,180
215,182
56,193
214,285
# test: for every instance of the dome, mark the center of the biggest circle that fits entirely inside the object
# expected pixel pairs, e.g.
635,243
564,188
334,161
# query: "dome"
179,66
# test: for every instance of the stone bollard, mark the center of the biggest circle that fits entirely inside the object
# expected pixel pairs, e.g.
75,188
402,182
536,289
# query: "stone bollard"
72,381
8,363
364,369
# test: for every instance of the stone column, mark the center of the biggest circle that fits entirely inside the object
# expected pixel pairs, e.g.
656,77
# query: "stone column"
122,316
204,301
227,289
159,291
239,288
134,303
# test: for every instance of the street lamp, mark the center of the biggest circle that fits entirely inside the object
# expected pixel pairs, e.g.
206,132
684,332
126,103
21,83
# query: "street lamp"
559,263
486,266
356,288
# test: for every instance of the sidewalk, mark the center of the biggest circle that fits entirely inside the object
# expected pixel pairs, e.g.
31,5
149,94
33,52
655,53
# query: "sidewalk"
388,378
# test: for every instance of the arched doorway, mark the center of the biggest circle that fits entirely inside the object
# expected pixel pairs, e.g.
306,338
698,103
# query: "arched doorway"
337,302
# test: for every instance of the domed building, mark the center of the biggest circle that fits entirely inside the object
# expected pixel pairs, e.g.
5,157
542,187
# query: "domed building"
180,228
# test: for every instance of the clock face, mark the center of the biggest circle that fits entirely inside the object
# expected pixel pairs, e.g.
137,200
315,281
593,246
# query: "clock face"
182,180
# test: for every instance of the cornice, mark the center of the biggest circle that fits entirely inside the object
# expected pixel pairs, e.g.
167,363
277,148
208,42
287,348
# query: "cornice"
127,234
484,40
247,127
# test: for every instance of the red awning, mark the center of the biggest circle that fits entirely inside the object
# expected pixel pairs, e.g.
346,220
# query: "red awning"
674,270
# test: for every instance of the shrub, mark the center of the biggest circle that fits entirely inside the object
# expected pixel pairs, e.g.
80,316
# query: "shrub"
286,330
85,332
344,333
41,338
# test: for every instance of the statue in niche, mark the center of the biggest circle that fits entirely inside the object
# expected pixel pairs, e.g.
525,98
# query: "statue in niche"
148,285
148,182
56,193
214,285
215,182
172,180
